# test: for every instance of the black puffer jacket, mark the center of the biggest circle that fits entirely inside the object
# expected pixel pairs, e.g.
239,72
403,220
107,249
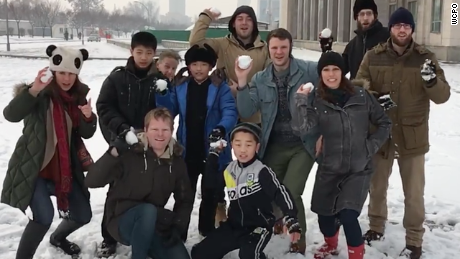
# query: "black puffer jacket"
125,99
343,176
360,44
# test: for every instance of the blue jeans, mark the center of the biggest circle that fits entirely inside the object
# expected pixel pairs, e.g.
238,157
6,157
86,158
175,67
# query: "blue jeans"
137,229
43,210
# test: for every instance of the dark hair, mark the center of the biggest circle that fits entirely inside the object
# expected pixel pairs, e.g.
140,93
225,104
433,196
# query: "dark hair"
245,131
281,34
345,84
145,39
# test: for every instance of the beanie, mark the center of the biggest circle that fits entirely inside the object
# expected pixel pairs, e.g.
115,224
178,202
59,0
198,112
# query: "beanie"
330,58
364,4
248,127
402,15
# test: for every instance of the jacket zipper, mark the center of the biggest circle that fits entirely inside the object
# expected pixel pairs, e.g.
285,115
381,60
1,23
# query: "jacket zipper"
260,213
238,197
364,44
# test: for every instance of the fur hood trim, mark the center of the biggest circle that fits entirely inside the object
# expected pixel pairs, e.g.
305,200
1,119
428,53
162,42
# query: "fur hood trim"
19,88
173,149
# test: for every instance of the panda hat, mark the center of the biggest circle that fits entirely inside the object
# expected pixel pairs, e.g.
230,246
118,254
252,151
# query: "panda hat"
66,59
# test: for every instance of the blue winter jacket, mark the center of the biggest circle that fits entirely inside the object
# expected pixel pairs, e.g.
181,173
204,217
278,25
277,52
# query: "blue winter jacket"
221,112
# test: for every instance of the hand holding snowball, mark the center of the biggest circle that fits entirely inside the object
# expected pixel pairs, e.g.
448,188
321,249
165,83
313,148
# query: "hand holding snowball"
86,109
215,13
38,84
305,89
243,65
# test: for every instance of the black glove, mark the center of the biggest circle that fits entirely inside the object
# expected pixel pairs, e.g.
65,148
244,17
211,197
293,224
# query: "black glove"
120,143
173,238
385,101
217,134
292,225
428,71
326,43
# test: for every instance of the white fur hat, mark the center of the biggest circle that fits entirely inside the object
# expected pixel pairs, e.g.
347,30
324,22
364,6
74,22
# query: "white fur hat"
66,59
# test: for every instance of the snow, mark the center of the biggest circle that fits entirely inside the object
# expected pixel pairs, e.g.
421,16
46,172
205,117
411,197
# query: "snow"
442,177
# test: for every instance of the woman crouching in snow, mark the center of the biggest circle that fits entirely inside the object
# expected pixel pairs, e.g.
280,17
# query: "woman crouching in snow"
50,156
344,114
144,175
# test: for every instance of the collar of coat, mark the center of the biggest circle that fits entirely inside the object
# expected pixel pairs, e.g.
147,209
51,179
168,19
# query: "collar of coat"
258,42
173,148
130,67
385,47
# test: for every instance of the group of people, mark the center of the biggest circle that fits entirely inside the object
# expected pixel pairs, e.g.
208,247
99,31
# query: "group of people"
276,124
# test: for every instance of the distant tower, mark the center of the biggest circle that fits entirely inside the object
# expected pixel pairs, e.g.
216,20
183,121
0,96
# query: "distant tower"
243,2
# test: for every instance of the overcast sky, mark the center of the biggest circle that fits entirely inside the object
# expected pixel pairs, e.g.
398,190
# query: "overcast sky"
193,7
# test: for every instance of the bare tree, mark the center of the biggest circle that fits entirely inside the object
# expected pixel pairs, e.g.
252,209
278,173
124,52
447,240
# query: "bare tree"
30,14
40,13
148,8
17,11
116,19
53,9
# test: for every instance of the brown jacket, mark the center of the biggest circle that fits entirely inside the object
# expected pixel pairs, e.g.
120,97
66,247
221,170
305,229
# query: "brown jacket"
142,177
399,76
228,49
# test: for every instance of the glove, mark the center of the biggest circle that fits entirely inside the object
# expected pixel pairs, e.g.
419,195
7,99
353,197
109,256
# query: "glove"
217,134
428,71
123,142
161,86
173,238
386,102
326,44
292,225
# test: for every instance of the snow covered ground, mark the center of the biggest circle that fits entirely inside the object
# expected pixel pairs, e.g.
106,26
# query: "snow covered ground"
442,177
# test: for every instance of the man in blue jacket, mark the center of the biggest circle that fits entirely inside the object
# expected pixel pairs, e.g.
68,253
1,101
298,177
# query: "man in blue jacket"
206,109
272,92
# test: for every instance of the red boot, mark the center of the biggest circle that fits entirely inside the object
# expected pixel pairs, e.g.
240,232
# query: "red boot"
356,252
328,248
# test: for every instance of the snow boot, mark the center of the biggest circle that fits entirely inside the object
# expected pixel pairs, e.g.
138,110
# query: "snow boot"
329,247
221,213
372,235
412,252
356,252
59,237
31,238
106,249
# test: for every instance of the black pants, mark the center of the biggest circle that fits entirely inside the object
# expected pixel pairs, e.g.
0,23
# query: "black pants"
329,225
107,238
209,200
227,238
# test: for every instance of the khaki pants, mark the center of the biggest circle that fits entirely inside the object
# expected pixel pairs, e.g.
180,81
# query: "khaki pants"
412,171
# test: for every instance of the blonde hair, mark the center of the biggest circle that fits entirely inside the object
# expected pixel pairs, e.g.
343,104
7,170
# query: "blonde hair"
169,53
158,114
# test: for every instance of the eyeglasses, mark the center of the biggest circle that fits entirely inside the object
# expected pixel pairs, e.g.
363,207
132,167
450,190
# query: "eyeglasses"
402,25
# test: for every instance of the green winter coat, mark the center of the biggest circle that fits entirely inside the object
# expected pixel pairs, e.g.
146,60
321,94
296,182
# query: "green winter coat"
28,157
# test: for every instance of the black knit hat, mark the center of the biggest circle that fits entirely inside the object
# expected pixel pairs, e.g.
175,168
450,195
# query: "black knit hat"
330,58
204,54
247,127
402,15
364,4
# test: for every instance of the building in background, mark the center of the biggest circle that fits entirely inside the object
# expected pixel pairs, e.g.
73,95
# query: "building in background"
269,11
243,2
177,6
306,18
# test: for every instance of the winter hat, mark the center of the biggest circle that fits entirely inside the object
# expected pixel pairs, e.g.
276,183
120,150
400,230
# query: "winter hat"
402,15
66,59
254,129
247,10
204,54
330,58
364,4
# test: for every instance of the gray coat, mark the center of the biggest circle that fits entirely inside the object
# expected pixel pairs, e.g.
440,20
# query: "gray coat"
343,177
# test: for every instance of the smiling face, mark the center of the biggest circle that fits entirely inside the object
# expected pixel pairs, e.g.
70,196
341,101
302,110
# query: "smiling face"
279,51
331,76
159,133
401,34
244,26
199,70
65,80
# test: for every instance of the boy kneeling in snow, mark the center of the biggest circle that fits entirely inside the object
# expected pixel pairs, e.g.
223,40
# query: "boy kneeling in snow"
252,187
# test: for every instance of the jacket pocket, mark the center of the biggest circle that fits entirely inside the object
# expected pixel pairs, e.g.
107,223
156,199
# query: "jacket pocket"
415,132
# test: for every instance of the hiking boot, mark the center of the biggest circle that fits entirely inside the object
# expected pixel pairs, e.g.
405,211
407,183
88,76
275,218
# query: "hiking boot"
356,252
411,252
221,213
278,228
298,247
59,237
328,248
107,249
372,235
30,240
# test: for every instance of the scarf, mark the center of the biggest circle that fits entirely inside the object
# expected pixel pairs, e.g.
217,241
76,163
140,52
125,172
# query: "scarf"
63,181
